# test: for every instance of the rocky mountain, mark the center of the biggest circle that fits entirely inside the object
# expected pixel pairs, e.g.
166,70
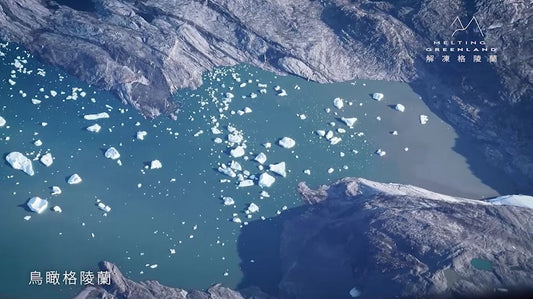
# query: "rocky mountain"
359,238
146,50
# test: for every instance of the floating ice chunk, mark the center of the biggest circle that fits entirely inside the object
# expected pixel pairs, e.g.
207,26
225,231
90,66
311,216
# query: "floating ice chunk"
378,118
156,164
278,168
252,208
37,205
235,138
395,133
331,170
261,158
335,140
354,292
341,130
321,133
406,149
237,152
35,101
57,209
229,95
47,159
266,180
38,142
329,135
53,93
102,206
27,217
2,121
215,130
287,142
423,119
307,171
264,194
19,162
380,152
153,266
235,166
172,251
377,96
44,124
237,220
513,200
338,103
96,116
217,140
227,171
247,110
349,121
253,95
302,116
141,135
267,145
228,201
277,88
112,153
56,190
74,179
399,107
94,128
282,93
246,183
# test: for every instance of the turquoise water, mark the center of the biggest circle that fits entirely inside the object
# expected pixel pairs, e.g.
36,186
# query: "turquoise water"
179,206
481,264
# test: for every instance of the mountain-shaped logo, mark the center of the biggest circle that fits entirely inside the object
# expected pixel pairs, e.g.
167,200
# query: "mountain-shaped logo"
460,27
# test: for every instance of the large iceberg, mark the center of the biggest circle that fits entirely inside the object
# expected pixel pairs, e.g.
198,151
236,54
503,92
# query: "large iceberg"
47,159
19,162
74,179
266,180
514,200
112,153
279,168
37,204
96,116
287,142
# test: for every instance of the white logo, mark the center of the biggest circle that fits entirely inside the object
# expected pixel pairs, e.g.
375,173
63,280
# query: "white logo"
460,27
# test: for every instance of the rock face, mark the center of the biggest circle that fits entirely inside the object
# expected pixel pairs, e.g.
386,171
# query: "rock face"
415,242
144,51
124,288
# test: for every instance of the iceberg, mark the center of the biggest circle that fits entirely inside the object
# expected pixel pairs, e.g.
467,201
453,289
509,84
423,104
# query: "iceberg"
235,166
156,164
94,128
74,179
246,183
381,152
228,201
349,121
266,180
278,168
102,206
514,200
47,159
38,142
112,153
354,292
423,119
96,116
19,162
329,135
2,121
399,107
227,171
335,140
287,142
338,103
264,194
252,208
56,190
261,158
37,205
141,135
237,152
57,209
234,138
377,96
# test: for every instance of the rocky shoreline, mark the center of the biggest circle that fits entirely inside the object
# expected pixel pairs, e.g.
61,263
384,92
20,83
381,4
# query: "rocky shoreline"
144,52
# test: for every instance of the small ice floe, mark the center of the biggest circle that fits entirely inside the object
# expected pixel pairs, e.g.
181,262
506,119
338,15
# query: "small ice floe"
380,152
38,142
423,119
247,110
37,204
246,183
406,149
236,220
287,142
335,140
27,217
338,103
307,171
377,96
341,130
267,145
349,121
228,201
321,133
35,101
331,170
112,153
279,168
57,209
96,116
218,140
102,206
264,194
282,93
141,135
235,166
56,190
252,208
74,179
53,93
354,292
261,158
378,118
44,124
47,159
395,133
153,266
399,107
329,135
2,121
302,116
172,251
266,180
20,162
215,130
226,170
235,138
253,95
156,164
94,128
229,95
237,152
